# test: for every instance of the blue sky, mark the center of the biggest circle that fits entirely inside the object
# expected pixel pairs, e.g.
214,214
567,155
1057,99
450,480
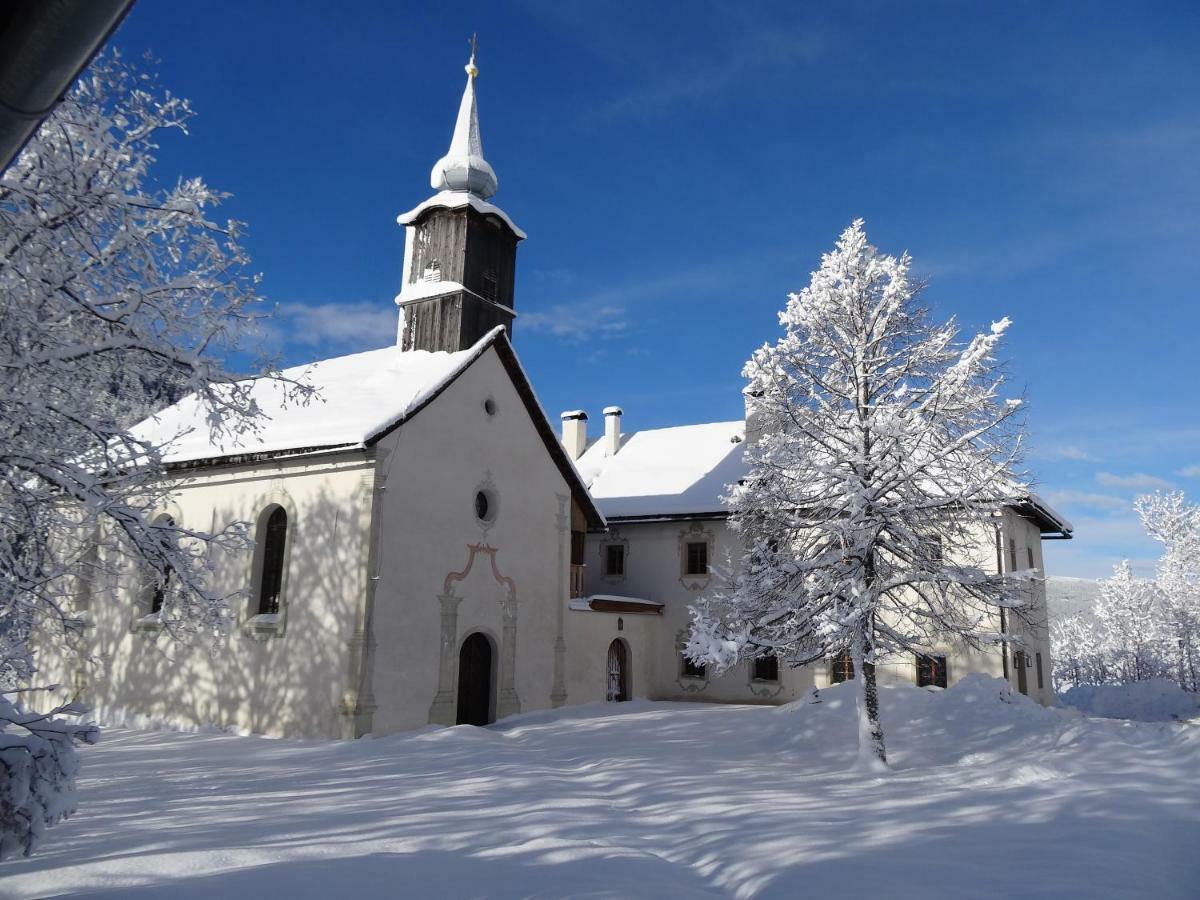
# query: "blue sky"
680,167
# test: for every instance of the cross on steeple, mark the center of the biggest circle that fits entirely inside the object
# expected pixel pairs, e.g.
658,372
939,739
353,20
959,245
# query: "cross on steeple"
472,69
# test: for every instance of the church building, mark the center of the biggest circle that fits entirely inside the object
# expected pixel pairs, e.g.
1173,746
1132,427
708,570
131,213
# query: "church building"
429,548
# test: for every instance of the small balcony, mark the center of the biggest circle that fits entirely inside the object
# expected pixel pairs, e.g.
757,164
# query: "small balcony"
576,581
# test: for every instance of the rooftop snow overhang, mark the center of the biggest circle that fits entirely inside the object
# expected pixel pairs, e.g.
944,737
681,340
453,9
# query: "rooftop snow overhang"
457,200
1052,525
612,603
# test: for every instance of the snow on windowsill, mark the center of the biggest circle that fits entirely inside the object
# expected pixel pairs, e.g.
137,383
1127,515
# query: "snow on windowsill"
151,622
264,625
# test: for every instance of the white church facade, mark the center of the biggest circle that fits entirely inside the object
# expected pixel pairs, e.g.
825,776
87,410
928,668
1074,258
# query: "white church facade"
429,548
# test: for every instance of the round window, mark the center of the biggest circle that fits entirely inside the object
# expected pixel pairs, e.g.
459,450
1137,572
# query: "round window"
485,506
489,406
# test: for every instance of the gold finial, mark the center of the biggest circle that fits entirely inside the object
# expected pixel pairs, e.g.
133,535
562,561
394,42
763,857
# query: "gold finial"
472,69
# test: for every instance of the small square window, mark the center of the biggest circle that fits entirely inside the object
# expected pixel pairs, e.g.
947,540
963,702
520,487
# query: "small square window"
765,668
691,669
842,668
614,559
697,558
931,670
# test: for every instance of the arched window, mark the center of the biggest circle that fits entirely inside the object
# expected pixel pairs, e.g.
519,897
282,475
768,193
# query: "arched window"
162,581
273,535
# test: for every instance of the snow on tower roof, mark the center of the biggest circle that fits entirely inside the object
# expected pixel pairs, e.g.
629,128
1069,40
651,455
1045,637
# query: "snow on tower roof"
664,472
463,168
360,397
455,200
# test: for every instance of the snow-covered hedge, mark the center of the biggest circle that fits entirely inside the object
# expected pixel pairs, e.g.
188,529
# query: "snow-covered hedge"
38,763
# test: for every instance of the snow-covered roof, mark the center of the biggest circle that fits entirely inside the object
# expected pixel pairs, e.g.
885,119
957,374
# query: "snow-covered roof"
666,471
360,397
455,200
684,471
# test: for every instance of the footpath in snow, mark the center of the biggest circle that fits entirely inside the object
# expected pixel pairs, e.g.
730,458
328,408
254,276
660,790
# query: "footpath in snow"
989,799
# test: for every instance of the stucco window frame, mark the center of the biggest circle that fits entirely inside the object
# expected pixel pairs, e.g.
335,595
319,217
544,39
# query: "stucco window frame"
695,534
762,687
265,626
689,683
145,620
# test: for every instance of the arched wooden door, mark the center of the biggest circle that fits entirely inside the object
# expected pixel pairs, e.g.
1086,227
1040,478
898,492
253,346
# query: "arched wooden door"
475,681
618,671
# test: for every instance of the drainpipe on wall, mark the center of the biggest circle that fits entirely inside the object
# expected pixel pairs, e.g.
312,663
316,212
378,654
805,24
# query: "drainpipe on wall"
1003,611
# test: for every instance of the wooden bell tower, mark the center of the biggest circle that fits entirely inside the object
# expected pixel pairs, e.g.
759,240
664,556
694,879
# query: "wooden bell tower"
460,251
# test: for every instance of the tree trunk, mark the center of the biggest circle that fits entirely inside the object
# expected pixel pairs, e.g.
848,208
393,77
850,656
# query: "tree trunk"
872,754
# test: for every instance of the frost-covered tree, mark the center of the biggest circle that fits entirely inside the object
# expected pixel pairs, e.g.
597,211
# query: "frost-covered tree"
1129,617
117,295
1175,523
879,450
1076,648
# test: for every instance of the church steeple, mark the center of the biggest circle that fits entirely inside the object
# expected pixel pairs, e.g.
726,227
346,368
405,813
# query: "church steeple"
459,250
463,168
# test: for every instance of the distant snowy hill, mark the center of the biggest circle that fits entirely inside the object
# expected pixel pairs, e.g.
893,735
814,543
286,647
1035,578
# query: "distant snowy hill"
1068,596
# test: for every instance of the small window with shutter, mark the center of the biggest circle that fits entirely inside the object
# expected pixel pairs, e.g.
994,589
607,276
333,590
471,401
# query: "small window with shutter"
842,668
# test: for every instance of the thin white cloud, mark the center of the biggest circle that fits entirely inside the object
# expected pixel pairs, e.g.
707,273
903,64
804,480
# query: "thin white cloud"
338,326
575,322
1084,498
1138,481
1189,471
1067,451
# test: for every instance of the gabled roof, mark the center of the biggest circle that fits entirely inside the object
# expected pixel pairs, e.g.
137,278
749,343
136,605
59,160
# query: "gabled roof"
666,472
362,397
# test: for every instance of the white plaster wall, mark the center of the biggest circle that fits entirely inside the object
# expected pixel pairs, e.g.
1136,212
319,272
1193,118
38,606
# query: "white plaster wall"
652,572
589,634
289,685
429,472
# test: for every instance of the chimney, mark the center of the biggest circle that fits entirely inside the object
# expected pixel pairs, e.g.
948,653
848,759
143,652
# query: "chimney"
612,430
574,432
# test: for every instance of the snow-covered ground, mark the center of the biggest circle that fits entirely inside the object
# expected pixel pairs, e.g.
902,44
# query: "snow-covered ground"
988,799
